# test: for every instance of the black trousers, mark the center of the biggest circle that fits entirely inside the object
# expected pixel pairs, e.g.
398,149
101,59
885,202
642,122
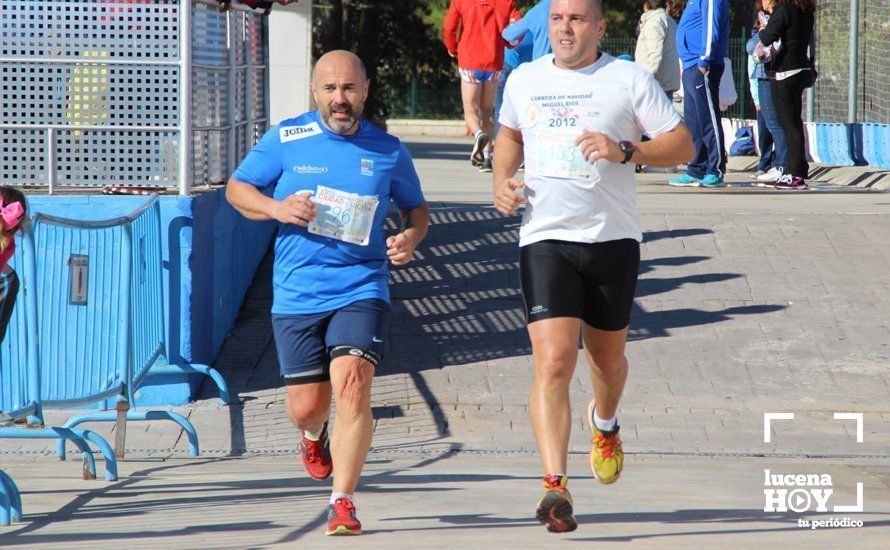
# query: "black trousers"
788,98
9,290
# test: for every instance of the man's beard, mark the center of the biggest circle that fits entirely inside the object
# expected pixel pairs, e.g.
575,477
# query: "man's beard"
343,126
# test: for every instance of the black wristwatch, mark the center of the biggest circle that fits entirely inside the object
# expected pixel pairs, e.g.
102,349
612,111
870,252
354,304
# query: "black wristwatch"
628,149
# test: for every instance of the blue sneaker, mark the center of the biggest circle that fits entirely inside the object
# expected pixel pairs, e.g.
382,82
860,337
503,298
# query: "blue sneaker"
712,180
685,181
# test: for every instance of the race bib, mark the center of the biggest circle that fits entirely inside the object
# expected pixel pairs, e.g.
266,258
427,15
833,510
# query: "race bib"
558,157
343,216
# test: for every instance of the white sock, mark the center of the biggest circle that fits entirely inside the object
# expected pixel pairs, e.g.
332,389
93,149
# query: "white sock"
335,496
486,153
604,425
477,132
313,436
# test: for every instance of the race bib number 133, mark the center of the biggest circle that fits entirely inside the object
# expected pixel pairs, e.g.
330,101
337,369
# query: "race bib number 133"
558,157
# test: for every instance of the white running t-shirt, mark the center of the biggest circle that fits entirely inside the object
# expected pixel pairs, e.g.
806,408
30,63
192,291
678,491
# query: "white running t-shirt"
569,199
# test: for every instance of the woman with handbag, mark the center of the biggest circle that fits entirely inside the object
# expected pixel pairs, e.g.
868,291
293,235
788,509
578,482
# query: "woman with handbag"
791,71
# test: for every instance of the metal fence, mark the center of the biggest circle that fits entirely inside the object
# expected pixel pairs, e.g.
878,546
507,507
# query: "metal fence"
93,92
834,61
419,102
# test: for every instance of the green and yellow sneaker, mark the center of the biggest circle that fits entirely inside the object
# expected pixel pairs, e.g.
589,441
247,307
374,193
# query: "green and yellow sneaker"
606,456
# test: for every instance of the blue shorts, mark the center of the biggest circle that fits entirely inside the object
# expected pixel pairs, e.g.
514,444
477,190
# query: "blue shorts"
307,343
478,76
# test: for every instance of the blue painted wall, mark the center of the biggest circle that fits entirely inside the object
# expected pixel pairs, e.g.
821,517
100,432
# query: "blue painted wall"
210,256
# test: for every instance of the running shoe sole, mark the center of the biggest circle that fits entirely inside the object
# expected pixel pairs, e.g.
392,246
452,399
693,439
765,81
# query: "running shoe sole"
341,530
590,407
557,515
477,157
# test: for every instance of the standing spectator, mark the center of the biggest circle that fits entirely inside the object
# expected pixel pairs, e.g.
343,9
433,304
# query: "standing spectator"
771,140
12,216
472,34
703,43
656,46
791,70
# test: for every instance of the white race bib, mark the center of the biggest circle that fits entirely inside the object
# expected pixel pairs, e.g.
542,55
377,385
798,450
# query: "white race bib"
343,216
558,157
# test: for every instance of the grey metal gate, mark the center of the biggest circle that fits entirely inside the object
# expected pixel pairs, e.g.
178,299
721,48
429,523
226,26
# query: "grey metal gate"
92,92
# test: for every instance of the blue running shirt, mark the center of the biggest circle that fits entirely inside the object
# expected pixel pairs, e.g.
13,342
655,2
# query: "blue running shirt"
312,273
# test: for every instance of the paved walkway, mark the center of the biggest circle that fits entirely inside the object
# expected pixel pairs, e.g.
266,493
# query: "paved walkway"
750,301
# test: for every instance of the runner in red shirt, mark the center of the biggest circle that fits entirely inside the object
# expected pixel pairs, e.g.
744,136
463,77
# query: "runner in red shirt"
472,34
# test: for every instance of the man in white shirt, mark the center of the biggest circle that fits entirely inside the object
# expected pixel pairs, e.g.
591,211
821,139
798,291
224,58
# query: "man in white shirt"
576,118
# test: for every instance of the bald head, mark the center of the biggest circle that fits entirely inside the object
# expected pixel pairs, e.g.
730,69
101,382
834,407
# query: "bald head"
341,62
340,86
595,5
576,27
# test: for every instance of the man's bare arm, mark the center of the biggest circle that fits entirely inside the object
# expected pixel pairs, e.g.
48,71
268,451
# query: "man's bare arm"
506,161
254,205
669,149
415,223
509,155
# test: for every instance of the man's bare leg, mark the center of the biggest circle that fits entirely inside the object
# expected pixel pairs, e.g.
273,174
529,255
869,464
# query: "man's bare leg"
486,112
351,379
471,97
471,94
608,367
608,370
555,349
308,405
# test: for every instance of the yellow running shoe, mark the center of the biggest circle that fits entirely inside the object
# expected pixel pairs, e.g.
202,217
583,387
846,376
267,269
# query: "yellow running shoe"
606,456
555,507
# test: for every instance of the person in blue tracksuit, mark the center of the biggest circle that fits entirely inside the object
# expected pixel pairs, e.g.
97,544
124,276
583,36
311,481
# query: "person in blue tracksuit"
703,43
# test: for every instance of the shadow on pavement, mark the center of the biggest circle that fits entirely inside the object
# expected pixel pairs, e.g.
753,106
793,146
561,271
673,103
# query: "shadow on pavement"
716,516
460,302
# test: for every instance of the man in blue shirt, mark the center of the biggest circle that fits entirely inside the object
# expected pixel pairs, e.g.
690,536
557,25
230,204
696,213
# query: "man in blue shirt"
332,176
702,43
532,29
532,34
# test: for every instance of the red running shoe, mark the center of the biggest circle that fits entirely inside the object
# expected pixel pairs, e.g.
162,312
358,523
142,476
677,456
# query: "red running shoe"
342,520
317,455
555,507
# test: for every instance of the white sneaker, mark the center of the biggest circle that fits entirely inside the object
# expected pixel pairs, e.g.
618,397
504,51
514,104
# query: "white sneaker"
771,176
757,174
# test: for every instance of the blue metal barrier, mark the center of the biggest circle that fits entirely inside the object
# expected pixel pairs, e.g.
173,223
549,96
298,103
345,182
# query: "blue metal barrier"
21,412
10,500
114,299
89,327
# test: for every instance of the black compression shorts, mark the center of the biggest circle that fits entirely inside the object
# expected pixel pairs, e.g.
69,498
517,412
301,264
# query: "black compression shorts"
593,282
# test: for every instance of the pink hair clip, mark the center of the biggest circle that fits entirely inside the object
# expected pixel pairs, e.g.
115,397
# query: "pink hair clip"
11,214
